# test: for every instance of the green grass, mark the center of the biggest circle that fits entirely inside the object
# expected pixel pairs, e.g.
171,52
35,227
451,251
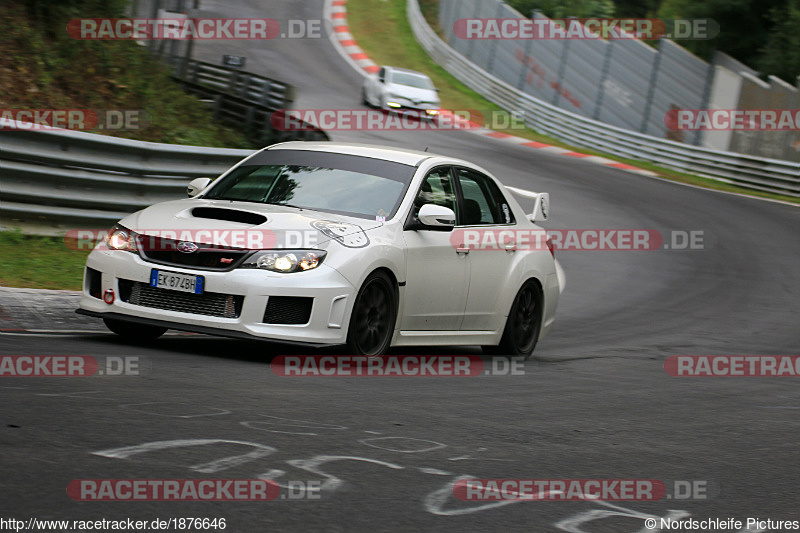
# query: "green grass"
391,42
41,67
39,262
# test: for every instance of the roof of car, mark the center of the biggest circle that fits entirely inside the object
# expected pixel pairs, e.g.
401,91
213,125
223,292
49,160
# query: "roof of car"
388,153
407,70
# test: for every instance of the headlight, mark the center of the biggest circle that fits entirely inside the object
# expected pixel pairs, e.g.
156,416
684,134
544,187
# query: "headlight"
285,260
121,238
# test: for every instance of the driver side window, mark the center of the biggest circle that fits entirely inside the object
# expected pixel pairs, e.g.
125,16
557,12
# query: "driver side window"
437,188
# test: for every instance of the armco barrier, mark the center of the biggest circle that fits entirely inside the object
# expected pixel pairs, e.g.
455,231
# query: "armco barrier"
78,179
773,175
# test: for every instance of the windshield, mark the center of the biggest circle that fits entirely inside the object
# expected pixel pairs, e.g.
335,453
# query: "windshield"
412,80
345,191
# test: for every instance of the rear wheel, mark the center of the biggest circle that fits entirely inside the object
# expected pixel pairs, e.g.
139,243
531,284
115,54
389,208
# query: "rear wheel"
523,324
374,315
133,331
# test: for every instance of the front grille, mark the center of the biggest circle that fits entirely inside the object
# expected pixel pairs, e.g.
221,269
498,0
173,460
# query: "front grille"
288,310
208,303
165,252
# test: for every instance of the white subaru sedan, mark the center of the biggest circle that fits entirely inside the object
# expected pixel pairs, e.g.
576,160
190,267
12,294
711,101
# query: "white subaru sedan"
330,244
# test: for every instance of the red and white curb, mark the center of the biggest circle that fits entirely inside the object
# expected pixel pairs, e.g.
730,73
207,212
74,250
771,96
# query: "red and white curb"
336,12
343,40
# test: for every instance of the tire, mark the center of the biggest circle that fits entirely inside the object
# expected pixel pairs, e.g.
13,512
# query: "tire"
133,331
523,325
374,315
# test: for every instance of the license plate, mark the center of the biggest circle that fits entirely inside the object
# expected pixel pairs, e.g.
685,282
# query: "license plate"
176,282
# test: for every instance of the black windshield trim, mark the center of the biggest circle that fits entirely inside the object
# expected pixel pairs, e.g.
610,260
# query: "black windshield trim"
354,163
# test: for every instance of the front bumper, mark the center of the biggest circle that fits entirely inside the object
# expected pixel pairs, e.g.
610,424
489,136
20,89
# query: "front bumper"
403,106
330,292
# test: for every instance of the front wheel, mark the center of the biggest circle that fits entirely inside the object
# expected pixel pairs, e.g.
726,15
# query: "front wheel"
523,324
373,318
133,331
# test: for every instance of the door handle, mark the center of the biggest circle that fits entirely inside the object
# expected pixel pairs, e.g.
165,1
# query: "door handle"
461,249
510,247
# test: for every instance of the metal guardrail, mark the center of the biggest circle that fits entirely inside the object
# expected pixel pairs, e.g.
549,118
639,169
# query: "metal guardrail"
81,180
252,88
84,180
244,100
772,175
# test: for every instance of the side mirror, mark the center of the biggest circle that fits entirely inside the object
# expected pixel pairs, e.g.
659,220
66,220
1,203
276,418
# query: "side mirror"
380,79
436,217
197,185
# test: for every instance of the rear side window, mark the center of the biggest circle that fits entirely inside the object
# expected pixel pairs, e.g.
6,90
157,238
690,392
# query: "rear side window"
483,203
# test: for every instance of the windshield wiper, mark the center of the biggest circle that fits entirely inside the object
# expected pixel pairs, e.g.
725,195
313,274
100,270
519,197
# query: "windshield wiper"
287,205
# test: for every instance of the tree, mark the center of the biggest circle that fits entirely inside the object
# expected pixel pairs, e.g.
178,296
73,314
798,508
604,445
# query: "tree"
565,8
744,25
781,55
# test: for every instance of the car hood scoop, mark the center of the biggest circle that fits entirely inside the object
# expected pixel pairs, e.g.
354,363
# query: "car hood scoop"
282,226
230,215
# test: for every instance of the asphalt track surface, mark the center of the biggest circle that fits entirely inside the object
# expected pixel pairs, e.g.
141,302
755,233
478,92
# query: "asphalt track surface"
594,403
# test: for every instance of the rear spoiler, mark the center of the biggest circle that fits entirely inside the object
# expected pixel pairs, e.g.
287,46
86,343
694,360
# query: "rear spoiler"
541,203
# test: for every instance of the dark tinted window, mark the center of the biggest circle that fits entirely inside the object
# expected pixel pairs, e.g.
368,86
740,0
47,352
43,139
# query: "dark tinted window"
437,188
483,202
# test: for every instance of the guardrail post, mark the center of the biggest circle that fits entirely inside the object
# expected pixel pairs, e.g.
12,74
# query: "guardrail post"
706,93
248,117
523,72
493,49
471,46
648,103
561,68
266,93
151,43
452,16
598,106
217,106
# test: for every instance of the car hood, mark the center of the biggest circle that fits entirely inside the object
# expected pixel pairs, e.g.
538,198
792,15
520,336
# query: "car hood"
250,225
414,93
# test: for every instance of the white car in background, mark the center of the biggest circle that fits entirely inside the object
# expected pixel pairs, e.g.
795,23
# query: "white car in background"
367,249
403,91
